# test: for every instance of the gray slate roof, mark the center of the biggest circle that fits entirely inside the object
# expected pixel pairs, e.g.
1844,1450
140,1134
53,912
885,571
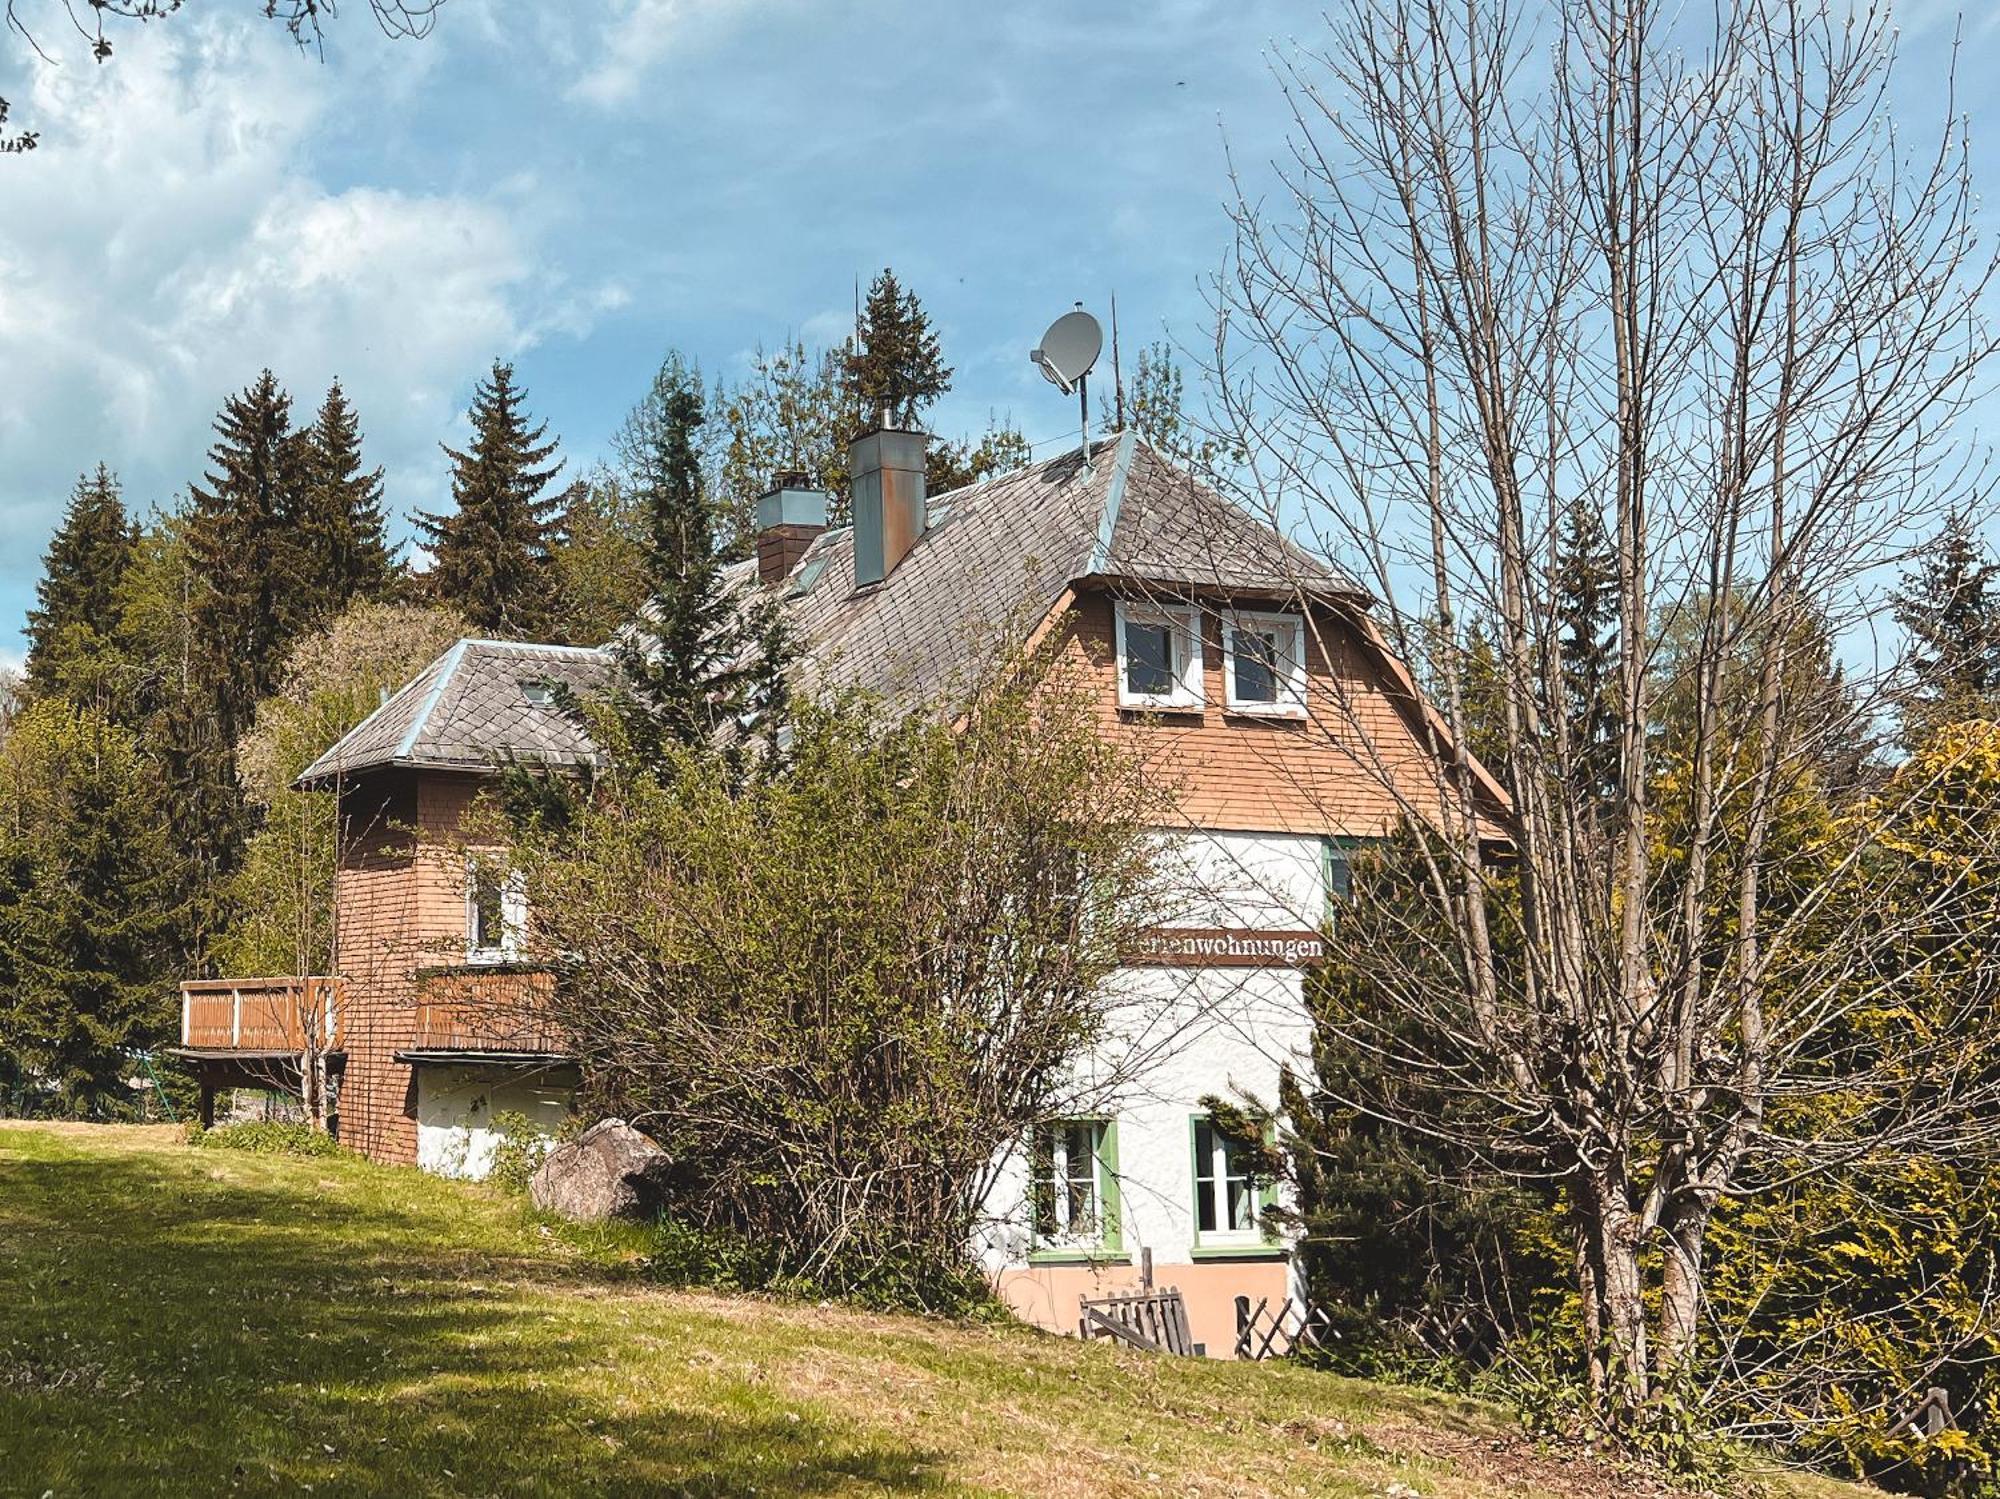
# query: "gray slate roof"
997,556
994,559
470,709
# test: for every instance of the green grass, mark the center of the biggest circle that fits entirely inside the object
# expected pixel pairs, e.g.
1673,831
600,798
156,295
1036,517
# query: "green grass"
180,1321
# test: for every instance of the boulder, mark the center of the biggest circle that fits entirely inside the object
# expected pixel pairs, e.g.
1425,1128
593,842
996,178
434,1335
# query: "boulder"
609,1171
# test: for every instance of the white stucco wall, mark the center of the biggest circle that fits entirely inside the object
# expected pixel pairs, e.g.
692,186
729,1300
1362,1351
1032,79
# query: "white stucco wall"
456,1107
1181,1034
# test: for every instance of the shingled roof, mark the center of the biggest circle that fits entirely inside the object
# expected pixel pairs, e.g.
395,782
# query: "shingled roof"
993,560
481,702
997,556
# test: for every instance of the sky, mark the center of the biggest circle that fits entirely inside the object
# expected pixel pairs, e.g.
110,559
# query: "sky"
580,187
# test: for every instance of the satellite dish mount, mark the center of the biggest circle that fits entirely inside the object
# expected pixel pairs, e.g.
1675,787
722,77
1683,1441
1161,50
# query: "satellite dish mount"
1066,355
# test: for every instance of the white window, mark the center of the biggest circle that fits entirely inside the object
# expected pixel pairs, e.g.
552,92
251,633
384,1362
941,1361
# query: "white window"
1264,664
1226,1196
1070,1185
496,913
1159,656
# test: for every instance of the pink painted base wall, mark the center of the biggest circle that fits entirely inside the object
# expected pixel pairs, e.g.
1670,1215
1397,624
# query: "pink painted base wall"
1047,1295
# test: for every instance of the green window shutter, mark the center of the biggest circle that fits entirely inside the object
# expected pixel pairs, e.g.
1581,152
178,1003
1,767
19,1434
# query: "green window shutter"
1107,1181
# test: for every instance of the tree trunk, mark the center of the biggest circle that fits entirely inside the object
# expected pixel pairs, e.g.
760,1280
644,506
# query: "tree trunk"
1680,1287
1615,1317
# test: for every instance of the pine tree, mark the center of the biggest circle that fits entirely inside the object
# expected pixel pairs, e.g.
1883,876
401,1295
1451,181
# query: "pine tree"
1951,611
339,527
237,590
1587,602
89,896
490,554
898,367
243,554
71,651
703,654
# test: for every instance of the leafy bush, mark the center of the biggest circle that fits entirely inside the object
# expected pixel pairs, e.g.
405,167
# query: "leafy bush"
726,1259
265,1139
835,1036
521,1149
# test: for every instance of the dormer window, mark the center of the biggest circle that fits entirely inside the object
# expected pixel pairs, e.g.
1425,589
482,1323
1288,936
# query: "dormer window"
1159,656
1264,664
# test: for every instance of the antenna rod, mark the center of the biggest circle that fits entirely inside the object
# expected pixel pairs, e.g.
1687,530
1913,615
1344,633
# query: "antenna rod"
1083,407
1117,375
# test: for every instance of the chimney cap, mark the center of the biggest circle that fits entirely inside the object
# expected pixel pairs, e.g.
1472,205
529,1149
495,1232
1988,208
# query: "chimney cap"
789,505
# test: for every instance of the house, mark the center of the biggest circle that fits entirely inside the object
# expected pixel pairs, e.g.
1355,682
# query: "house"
1243,670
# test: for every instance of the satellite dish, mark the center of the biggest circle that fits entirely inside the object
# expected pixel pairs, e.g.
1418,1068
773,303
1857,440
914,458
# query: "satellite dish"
1069,349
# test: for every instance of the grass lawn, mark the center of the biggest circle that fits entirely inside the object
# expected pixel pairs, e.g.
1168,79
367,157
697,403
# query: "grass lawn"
180,1321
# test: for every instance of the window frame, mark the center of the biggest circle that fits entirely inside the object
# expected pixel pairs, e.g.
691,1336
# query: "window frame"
1288,671
1183,622
1256,1241
1109,1239
513,913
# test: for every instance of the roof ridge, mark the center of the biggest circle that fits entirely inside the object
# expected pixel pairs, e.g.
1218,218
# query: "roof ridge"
1114,497
531,645
449,665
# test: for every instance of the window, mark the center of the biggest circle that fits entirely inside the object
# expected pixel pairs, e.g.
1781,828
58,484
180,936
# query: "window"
1263,664
1227,1199
1159,656
1339,871
1072,1185
540,694
496,913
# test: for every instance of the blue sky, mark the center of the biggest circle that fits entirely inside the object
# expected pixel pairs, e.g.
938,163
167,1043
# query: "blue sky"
579,187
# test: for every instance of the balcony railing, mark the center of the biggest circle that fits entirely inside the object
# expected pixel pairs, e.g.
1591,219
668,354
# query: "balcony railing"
474,1007
262,1014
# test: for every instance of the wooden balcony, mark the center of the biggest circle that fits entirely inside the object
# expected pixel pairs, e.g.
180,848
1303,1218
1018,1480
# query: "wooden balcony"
261,1016
476,1009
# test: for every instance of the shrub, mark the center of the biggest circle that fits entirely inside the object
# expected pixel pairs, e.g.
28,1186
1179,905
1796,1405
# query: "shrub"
265,1139
838,992
521,1148
725,1259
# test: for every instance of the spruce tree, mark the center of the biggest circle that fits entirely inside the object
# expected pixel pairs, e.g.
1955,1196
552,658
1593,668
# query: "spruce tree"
238,591
898,367
339,529
490,553
1950,609
89,895
703,654
1587,600
71,651
243,554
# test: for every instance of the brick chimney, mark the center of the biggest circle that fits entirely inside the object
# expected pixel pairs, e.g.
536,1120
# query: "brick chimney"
886,470
789,516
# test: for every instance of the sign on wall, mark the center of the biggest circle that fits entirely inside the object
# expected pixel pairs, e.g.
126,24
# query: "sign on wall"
1224,947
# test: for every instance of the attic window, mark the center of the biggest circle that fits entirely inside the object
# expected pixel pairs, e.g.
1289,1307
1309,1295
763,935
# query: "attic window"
1263,661
542,694
1159,656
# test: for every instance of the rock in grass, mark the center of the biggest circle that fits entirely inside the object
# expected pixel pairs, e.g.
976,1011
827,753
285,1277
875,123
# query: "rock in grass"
610,1170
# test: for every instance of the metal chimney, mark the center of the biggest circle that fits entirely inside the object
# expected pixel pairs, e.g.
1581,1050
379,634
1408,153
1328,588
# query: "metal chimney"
789,517
886,470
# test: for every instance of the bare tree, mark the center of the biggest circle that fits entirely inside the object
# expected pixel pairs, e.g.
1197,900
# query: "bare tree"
1680,277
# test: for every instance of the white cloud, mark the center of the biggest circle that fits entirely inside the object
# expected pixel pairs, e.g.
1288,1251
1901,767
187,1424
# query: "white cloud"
174,234
632,39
